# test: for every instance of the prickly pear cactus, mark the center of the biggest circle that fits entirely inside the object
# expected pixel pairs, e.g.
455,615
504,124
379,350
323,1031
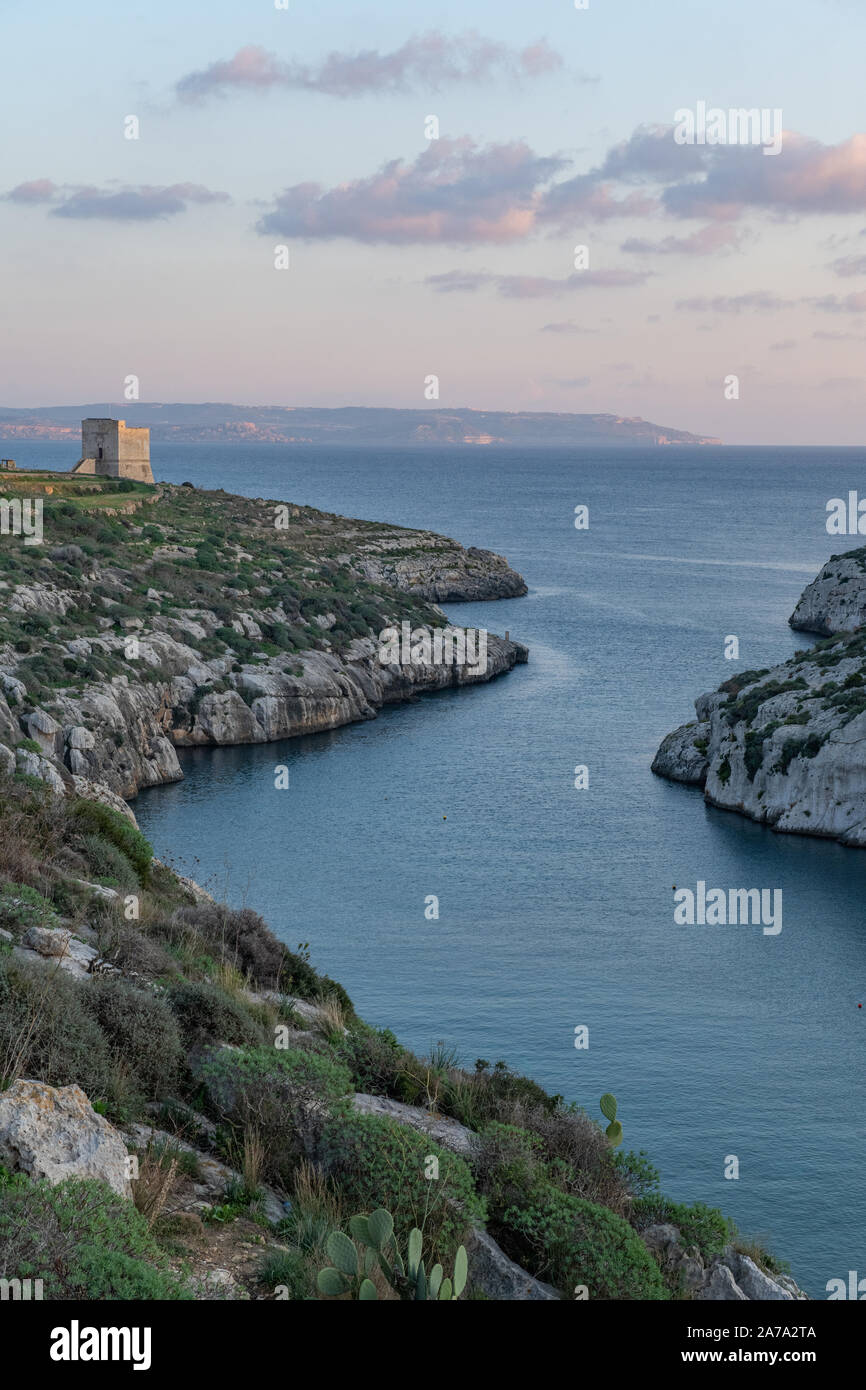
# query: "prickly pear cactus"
607,1105
375,1234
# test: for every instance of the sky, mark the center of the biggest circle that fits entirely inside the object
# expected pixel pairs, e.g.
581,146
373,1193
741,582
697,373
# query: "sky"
430,170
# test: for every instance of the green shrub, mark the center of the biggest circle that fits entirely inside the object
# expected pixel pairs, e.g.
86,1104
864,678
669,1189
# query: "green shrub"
206,1014
134,952
699,1224
285,1096
22,907
46,1032
240,937
375,1059
376,1163
572,1242
140,1030
508,1165
288,1270
83,1241
111,825
638,1173
492,1093
106,863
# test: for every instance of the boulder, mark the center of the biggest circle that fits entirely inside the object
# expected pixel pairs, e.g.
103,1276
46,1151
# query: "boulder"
60,947
491,1272
443,1130
33,765
47,941
754,1283
721,1287
15,689
680,759
45,731
836,600
54,1133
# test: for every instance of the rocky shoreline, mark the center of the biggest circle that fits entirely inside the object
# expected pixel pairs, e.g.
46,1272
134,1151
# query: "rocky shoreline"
168,1068
190,674
786,746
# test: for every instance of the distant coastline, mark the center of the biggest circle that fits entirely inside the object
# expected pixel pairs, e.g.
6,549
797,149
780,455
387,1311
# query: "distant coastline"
351,425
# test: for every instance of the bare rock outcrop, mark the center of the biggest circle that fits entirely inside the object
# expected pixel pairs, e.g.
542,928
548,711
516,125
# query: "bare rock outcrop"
786,746
727,1277
492,1273
441,1128
836,600
434,568
53,1132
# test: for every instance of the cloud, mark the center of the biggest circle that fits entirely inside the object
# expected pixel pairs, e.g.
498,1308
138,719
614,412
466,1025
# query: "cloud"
806,177
849,265
716,236
453,192
833,304
566,326
784,346
833,336
761,301
37,191
532,286
145,203
428,62
586,198
716,182
649,156
460,193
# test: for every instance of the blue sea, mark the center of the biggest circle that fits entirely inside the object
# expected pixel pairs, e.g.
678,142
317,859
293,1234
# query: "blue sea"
556,904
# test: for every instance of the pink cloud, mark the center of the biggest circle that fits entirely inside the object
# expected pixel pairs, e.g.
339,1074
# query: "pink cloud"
533,286
454,192
833,304
37,191
716,236
141,203
759,301
805,177
849,265
429,61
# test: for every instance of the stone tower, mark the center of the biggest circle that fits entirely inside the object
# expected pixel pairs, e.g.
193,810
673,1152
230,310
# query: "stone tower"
111,450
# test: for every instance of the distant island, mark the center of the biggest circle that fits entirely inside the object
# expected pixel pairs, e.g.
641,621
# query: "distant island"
351,425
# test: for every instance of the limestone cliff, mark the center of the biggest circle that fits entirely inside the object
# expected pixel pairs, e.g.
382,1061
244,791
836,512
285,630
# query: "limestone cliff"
786,746
836,600
214,620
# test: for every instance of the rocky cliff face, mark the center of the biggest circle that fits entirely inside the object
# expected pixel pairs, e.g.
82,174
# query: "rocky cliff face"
211,623
836,600
440,571
124,733
787,746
